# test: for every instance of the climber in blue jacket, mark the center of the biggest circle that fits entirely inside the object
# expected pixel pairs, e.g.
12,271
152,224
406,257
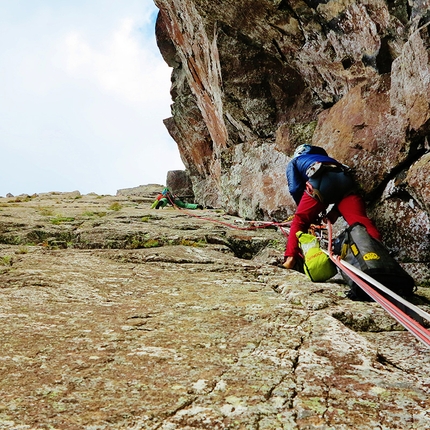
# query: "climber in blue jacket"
315,181
304,157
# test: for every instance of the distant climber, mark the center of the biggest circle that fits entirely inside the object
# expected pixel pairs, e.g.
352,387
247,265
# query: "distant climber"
315,181
166,197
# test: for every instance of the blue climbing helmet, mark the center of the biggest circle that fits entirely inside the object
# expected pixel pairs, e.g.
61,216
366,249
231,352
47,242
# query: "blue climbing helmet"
302,149
165,191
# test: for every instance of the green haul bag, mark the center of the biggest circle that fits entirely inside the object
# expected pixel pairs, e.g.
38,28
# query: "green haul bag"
358,248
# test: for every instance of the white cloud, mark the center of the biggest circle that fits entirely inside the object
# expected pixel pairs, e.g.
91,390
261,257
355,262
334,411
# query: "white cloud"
84,92
122,67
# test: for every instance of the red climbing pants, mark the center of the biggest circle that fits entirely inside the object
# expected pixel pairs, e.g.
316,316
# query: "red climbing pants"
351,207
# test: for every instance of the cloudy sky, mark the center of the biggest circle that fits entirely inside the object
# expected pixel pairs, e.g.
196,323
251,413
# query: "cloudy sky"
83,93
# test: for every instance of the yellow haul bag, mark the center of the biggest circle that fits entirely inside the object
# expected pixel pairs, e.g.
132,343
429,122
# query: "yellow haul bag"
317,264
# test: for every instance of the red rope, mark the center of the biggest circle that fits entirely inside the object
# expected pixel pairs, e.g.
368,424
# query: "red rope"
255,226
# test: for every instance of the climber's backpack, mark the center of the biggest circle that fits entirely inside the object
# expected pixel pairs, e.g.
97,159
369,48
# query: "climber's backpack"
316,265
358,248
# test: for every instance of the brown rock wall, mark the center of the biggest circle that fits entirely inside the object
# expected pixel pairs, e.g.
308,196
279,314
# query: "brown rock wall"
418,179
252,80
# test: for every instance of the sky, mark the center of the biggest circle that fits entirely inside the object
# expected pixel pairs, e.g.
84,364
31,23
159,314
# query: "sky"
83,94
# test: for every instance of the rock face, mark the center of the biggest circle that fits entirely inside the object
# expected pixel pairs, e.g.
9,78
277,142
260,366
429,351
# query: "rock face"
118,316
179,183
252,80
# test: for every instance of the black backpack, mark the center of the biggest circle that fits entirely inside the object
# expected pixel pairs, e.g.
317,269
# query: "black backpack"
358,248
